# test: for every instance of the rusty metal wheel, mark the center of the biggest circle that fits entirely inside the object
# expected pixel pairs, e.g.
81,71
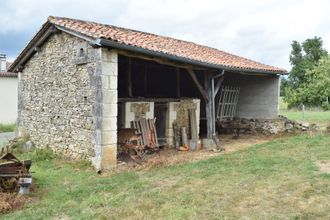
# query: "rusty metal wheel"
8,184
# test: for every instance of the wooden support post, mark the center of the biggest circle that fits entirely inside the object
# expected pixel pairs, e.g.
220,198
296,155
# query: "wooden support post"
218,85
208,104
199,86
129,78
178,94
206,92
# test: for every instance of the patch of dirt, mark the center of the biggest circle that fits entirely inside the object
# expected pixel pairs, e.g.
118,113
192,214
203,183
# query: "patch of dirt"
170,156
323,165
232,144
12,201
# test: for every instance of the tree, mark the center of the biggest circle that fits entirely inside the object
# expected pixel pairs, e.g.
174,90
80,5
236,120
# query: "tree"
304,57
315,90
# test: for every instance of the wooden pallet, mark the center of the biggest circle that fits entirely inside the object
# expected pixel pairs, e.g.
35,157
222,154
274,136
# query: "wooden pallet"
148,130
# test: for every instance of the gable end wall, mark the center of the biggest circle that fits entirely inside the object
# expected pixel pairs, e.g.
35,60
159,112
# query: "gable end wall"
61,98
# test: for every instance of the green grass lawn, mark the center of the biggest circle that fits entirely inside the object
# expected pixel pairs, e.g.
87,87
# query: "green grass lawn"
276,180
322,117
311,116
7,127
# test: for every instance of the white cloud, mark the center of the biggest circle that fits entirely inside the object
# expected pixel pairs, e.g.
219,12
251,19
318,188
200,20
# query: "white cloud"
256,29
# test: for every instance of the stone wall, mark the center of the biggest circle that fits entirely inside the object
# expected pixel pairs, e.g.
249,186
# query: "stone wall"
278,125
178,111
68,97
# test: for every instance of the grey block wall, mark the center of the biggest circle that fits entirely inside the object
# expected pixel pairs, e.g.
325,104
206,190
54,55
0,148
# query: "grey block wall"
259,95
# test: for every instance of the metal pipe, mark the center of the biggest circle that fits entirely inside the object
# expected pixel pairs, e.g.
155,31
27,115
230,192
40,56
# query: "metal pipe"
213,119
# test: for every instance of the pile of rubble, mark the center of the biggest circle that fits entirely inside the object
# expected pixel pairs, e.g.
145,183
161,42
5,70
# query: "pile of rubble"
265,126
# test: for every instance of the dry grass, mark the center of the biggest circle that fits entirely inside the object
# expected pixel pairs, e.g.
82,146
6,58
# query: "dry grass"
170,156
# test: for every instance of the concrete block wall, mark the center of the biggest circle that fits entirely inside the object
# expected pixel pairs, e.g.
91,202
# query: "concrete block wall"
259,95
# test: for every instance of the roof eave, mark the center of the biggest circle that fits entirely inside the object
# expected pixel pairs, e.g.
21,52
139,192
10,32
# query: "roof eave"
42,35
117,45
32,47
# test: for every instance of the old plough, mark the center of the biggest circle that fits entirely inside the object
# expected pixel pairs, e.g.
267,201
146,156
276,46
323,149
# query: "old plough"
14,173
138,140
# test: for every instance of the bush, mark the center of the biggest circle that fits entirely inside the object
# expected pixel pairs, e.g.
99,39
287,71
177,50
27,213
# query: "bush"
326,106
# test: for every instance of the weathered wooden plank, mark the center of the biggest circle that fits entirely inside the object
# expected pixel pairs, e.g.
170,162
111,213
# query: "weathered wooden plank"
208,104
199,86
193,123
144,131
152,123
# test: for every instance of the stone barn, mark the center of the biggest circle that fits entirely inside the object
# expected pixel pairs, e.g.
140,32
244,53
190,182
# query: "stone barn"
80,82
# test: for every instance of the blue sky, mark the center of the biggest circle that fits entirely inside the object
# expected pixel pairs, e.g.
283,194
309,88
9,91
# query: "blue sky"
257,29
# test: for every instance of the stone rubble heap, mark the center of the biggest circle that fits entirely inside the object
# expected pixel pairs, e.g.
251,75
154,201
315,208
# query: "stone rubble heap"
268,126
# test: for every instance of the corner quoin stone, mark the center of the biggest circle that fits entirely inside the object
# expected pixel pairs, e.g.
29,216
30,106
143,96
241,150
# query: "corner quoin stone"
109,115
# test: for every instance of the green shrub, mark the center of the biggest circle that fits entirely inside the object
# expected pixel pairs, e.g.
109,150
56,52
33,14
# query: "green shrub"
326,106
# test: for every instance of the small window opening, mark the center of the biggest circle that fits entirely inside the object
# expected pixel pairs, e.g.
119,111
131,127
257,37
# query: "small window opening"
81,52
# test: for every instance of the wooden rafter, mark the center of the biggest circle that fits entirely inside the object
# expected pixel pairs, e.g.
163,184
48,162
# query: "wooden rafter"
199,86
158,60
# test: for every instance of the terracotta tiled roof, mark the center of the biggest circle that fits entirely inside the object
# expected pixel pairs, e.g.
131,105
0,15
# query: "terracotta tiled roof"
161,44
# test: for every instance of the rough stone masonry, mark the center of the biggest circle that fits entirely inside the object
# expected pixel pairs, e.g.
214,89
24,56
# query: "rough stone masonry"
68,100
